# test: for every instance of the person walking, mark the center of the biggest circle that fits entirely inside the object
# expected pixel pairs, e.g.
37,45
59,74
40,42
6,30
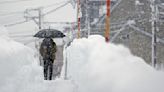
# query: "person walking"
48,50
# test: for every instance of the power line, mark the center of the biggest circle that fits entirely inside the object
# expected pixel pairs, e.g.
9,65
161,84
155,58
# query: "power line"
11,13
22,35
57,8
40,15
20,22
14,1
51,5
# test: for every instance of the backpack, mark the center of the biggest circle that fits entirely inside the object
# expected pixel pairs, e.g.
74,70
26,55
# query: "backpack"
48,49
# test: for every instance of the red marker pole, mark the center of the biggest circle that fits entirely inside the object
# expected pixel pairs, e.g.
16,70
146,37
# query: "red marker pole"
107,29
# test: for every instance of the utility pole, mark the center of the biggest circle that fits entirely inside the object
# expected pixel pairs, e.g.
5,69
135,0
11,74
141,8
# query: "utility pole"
88,28
66,64
78,18
38,18
154,29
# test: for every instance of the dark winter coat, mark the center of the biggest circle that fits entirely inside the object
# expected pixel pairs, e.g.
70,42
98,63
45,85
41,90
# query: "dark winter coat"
48,49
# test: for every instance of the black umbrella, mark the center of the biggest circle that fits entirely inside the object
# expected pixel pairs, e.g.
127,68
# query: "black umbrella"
53,33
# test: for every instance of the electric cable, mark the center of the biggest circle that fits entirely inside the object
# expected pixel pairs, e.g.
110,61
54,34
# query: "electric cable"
13,1
54,4
11,13
57,8
20,22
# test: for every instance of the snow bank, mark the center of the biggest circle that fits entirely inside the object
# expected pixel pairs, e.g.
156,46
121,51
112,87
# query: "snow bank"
3,32
12,56
96,66
20,72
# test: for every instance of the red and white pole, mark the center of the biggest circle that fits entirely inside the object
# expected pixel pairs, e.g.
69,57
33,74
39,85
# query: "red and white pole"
107,28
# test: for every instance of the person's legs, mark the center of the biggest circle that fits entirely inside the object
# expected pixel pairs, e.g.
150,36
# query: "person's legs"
45,69
50,70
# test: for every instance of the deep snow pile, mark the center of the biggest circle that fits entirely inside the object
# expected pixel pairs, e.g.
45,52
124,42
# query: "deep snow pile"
96,66
19,71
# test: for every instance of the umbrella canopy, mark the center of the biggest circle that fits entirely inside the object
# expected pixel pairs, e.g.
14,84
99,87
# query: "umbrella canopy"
53,33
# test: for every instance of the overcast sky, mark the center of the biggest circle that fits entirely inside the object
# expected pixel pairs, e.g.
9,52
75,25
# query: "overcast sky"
11,11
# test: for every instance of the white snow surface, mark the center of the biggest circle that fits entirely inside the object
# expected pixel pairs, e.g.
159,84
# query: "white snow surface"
97,66
3,32
19,71
93,66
